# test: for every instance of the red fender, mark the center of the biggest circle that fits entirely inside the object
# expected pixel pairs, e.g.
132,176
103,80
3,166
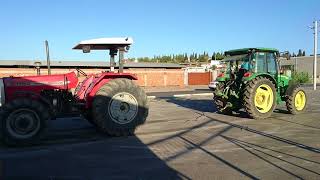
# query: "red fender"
99,81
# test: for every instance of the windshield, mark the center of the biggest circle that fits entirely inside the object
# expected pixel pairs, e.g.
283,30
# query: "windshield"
234,63
243,57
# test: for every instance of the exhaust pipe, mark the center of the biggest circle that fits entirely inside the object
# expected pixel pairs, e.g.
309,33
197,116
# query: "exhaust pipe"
48,57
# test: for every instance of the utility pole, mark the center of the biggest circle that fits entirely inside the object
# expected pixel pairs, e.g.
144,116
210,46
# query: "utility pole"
315,54
315,48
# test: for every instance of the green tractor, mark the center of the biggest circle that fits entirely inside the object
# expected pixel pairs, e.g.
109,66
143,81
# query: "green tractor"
251,79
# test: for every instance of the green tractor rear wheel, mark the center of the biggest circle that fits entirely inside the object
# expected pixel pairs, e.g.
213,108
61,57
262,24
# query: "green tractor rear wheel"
260,98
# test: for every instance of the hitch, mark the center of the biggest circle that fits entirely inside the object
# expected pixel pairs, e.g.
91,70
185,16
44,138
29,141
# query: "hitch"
226,106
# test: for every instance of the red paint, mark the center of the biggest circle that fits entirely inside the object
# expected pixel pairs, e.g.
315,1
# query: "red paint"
221,75
36,84
247,74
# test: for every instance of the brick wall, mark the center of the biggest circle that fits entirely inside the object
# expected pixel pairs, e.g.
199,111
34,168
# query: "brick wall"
146,77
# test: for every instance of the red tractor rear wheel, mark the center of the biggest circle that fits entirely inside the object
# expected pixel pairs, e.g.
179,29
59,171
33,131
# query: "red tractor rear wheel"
119,107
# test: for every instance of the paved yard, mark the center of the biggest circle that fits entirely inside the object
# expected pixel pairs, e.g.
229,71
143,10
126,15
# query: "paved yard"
183,139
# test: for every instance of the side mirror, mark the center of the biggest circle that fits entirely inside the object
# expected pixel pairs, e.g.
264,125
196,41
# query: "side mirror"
86,49
288,56
127,48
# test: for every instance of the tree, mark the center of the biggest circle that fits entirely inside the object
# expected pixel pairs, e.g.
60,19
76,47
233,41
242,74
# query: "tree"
185,57
299,53
304,53
294,55
143,59
219,56
213,56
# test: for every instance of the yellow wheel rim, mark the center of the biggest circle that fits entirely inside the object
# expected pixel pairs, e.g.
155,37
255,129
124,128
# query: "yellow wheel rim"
263,99
300,100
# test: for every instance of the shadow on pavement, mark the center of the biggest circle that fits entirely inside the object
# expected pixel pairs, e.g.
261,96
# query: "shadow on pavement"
84,154
255,151
197,105
204,105
198,146
300,124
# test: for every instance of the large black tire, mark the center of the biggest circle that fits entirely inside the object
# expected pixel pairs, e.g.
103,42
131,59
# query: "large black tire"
291,96
129,103
23,122
88,116
219,102
249,98
220,105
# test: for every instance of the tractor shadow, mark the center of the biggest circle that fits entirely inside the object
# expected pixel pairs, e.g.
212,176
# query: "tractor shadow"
207,105
76,150
203,105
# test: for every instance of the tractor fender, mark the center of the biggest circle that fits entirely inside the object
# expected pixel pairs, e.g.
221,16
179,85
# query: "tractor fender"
269,77
291,88
100,81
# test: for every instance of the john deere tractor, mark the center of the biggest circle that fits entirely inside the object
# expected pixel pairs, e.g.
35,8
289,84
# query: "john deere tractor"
251,80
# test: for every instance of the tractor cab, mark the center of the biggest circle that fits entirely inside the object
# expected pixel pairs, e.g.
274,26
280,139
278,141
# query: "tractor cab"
114,45
245,62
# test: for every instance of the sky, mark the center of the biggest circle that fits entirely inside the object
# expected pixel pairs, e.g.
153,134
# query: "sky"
158,27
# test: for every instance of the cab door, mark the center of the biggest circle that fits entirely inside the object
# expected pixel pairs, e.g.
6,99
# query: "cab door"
266,62
272,64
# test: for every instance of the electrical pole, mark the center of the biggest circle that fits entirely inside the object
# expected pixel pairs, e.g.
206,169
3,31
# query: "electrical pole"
315,54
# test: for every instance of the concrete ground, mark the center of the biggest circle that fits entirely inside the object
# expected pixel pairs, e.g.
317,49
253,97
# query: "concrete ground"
183,139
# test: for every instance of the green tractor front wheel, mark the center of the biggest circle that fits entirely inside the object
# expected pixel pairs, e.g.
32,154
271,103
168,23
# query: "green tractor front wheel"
296,100
220,102
260,98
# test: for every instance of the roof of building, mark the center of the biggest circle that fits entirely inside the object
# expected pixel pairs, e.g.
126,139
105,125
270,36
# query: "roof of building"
292,60
246,50
86,64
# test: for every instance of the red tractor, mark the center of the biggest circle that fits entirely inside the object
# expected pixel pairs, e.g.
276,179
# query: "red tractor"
111,101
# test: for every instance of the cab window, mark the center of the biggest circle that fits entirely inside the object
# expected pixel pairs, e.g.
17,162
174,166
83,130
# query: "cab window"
271,61
260,63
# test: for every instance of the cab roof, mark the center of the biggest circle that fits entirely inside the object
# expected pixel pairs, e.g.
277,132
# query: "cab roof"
246,50
105,43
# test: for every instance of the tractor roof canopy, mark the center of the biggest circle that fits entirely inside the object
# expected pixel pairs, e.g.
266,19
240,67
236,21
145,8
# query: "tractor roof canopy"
234,57
248,50
105,43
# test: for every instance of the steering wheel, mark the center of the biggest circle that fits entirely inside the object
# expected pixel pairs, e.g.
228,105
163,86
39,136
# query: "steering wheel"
81,72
